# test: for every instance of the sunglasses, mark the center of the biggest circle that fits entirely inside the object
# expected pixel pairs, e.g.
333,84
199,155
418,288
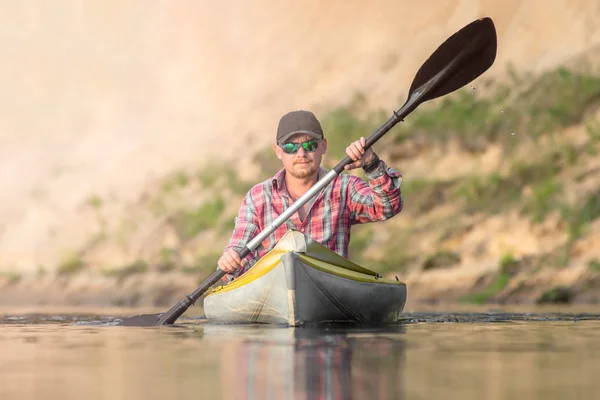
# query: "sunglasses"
292,148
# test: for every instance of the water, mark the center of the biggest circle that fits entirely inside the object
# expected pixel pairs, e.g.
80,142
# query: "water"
486,355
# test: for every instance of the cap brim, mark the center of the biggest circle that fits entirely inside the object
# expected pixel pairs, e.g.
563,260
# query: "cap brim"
285,137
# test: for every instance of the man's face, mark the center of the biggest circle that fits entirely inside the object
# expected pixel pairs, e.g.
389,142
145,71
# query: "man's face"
302,164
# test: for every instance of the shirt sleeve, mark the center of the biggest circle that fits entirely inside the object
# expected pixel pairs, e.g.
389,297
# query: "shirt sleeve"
377,200
246,228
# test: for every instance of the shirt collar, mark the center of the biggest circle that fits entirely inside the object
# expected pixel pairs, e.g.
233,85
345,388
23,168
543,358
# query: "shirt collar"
280,176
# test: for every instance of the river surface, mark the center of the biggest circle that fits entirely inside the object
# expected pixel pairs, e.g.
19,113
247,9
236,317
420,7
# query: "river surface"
491,354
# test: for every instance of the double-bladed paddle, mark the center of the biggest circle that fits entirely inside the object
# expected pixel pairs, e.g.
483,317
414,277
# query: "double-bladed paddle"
459,60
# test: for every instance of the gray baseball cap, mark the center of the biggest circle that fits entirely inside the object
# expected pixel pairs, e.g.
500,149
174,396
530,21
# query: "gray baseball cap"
296,122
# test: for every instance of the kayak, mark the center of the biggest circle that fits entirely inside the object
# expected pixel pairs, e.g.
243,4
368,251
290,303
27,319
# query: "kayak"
301,281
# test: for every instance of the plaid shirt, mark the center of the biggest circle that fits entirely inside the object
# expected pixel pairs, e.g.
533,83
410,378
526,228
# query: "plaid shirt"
347,200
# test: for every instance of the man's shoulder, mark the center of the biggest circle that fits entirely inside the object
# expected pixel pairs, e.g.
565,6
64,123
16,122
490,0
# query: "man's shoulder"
261,188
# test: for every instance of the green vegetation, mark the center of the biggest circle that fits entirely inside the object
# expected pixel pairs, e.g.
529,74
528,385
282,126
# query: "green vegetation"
360,239
95,201
558,294
137,267
594,265
158,206
425,194
492,193
11,277
167,260
551,101
177,180
463,115
41,271
543,199
559,98
484,296
223,177
208,260
227,225
71,265
592,127
190,223
580,215
559,257
348,123
267,162
508,264
204,264
441,259
392,256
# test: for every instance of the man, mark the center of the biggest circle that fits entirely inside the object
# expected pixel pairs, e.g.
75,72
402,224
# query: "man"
327,218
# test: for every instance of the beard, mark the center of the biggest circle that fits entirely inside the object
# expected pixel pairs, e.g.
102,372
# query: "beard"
306,170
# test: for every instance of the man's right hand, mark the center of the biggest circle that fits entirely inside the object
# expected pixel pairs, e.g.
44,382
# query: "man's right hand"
230,261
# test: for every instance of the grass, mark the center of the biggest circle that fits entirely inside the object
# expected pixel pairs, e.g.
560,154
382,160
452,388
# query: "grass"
527,172
11,277
592,128
223,177
267,162
360,239
71,265
551,101
391,257
559,98
396,260
441,259
579,216
176,180
508,264
594,265
484,296
491,193
543,199
424,195
228,224
190,223
207,177
462,115
95,201
205,262
41,271
345,124
167,259
158,206
135,268
558,294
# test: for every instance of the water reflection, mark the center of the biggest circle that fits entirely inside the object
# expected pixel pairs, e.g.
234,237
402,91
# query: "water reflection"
309,363
452,356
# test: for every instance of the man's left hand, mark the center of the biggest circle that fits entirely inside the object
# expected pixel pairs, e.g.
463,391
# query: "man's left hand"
356,151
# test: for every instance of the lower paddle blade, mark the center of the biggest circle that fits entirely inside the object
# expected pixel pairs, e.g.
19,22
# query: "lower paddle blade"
459,60
141,320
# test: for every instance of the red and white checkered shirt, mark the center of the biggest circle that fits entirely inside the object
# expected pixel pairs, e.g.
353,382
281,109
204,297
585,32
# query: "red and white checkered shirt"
347,200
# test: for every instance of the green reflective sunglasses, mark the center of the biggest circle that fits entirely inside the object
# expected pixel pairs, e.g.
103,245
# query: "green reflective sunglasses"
292,148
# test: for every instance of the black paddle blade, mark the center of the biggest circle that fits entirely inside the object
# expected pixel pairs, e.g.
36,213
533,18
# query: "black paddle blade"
459,60
141,320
